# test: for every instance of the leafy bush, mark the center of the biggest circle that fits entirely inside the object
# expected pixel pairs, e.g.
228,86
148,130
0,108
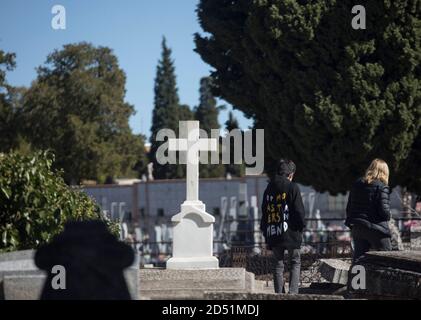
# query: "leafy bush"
35,202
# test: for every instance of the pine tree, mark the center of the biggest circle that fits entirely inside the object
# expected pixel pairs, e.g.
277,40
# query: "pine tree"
235,170
207,114
207,111
166,113
186,113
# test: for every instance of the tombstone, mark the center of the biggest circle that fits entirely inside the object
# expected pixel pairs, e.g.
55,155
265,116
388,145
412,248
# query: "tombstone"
311,201
138,239
158,238
124,231
93,261
145,250
138,234
245,227
220,234
168,236
254,214
121,213
166,233
415,236
113,214
395,239
390,275
223,210
233,226
150,171
335,270
193,226
104,205
242,201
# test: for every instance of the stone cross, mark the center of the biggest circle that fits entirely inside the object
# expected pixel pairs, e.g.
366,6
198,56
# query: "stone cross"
192,144
193,226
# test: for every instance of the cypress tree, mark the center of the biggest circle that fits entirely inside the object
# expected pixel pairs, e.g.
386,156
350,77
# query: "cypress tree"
329,97
235,170
207,113
166,113
186,113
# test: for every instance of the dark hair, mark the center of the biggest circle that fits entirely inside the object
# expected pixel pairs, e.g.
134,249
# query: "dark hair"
286,167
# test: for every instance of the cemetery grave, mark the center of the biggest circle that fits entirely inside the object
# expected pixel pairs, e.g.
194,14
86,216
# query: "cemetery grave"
193,272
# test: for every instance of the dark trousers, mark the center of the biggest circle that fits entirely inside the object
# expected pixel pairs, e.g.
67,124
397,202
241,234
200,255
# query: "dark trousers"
295,269
366,239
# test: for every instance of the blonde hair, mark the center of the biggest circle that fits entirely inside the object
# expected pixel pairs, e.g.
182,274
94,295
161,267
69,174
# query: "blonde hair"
378,170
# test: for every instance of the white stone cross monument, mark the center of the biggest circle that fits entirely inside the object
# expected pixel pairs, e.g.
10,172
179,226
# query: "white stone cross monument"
193,227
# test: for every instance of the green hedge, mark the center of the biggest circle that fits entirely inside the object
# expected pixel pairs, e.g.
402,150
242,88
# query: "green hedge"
35,202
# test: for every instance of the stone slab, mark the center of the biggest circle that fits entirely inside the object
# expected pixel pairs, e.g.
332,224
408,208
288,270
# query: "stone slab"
192,284
416,237
17,255
403,260
17,260
23,286
20,279
391,275
132,279
266,296
198,263
335,270
325,288
250,282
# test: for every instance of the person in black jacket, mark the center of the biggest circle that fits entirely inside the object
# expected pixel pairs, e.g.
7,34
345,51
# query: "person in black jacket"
282,223
368,210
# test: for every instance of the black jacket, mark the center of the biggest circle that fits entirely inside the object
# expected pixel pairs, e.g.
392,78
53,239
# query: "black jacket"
283,214
369,206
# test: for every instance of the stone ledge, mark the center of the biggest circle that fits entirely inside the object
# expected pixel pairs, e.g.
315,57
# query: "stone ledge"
191,284
390,283
17,255
335,270
23,287
266,296
216,274
391,275
403,260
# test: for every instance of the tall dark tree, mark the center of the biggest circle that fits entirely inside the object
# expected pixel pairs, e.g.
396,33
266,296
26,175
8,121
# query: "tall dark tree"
186,113
166,113
207,111
207,114
7,113
330,97
235,170
76,108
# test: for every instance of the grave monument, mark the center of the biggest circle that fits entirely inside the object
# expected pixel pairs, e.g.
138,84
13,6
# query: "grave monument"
193,226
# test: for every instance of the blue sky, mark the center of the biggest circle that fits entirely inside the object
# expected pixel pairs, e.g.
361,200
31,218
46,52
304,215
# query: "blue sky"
132,28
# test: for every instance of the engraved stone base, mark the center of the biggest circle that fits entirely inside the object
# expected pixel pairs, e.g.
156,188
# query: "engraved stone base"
192,284
193,238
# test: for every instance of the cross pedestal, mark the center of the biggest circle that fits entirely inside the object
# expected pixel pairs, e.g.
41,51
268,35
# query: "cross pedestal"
193,226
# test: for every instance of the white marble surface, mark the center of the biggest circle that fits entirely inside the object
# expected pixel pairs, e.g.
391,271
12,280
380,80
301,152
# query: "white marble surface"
193,226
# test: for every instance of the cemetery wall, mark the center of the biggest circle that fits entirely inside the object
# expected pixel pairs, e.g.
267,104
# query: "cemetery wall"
160,199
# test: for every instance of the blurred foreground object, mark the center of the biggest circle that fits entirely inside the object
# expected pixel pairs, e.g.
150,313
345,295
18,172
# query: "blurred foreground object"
93,260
